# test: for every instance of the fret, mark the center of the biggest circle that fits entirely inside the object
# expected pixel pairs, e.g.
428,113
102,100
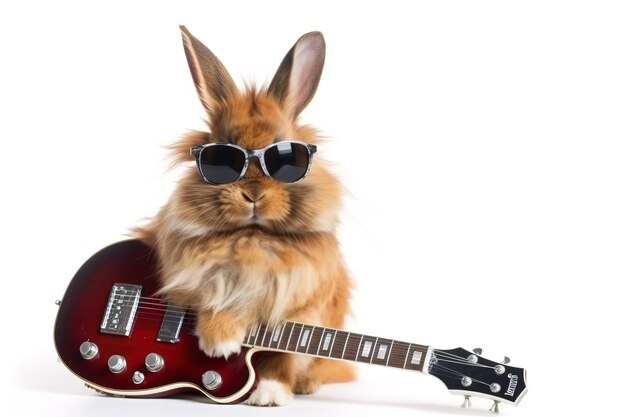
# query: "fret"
327,342
406,357
339,344
345,345
251,334
291,326
267,338
353,344
293,344
380,351
271,338
305,338
415,356
374,351
389,353
310,338
301,334
319,343
366,349
258,332
397,353
316,341
276,338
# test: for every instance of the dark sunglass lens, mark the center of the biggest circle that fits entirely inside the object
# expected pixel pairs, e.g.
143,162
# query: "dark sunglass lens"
221,164
287,161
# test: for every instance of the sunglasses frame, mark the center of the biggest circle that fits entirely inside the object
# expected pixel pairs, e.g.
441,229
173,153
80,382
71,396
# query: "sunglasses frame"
196,151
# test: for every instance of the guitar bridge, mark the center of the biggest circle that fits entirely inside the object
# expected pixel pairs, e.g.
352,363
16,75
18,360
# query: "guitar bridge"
119,315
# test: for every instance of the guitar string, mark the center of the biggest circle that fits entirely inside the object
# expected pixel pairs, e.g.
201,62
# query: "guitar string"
458,359
270,342
436,368
146,309
451,358
452,372
478,365
442,369
448,355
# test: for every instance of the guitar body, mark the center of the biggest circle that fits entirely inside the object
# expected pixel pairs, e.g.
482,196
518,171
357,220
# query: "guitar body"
81,314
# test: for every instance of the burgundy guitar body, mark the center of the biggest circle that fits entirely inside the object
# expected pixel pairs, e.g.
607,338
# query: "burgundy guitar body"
80,318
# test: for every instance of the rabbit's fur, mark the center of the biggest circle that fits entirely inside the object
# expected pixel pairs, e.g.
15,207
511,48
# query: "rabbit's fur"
284,263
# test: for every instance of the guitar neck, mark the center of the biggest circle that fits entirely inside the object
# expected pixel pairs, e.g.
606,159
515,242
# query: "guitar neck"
330,343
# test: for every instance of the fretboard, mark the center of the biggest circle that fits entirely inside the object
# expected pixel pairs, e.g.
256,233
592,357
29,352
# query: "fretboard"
338,344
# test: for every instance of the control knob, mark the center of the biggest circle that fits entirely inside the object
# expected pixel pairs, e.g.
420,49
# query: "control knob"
117,364
154,362
211,380
88,350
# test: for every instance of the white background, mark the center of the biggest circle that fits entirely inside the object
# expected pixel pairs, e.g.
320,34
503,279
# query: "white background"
482,142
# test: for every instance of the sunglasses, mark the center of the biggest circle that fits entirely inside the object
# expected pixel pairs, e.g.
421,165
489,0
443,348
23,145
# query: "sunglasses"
225,163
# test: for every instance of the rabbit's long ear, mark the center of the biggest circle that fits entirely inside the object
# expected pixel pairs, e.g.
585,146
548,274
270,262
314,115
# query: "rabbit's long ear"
297,77
213,82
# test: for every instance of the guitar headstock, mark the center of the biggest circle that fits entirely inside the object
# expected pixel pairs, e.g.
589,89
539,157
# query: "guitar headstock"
469,374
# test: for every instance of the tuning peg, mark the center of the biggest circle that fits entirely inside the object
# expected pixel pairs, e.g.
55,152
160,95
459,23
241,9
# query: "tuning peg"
478,351
506,360
494,408
466,402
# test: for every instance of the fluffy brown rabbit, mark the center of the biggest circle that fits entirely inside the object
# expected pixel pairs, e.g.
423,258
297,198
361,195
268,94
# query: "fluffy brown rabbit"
258,248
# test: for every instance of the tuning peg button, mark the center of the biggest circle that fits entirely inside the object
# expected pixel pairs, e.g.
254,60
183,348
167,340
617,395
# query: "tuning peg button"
506,360
478,351
494,408
466,402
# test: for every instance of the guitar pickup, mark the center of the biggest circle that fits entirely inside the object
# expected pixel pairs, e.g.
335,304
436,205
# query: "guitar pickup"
171,324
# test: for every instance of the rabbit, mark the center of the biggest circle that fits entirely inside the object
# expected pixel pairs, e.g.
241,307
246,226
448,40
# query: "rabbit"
256,250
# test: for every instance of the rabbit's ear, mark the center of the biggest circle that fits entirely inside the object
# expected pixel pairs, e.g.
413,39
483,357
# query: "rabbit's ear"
213,82
297,77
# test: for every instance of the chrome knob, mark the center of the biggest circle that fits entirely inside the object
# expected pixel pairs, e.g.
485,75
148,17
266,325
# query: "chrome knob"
211,380
478,351
494,408
506,360
154,362
117,364
88,350
138,377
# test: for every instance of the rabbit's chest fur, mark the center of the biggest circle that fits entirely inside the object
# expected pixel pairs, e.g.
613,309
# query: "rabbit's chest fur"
248,270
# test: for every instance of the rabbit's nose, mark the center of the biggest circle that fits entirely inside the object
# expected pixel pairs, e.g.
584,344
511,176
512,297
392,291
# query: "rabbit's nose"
251,196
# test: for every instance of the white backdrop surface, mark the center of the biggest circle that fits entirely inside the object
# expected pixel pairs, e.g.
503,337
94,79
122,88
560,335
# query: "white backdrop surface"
482,144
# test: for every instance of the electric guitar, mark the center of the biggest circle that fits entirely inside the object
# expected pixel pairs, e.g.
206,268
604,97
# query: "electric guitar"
115,334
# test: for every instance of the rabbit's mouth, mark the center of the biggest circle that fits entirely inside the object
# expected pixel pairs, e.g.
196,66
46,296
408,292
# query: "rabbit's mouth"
255,219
